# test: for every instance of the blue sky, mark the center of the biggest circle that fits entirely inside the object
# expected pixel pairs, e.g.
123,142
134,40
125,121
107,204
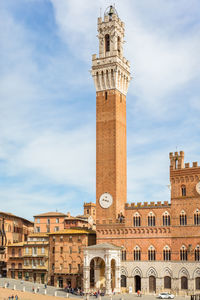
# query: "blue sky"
47,99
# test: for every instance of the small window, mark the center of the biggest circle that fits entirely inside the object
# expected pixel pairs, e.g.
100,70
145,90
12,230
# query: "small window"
166,254
136,220
166,219
37,229
38,221
26,250
53,250
48,221
106,95
197,253
107,42
183,218
61,250
57,220
56,228
118,45
79,250
183,190
183,253
70,238
34,251
20,266
42,250
13,251
13,265
151,219
79,268
137,253
151,253
197,217
70,268
70,250
123,255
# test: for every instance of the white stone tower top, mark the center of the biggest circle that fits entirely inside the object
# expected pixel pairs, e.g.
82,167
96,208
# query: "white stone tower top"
111,70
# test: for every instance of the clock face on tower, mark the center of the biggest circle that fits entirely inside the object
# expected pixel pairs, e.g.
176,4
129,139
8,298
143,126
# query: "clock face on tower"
198,187
105,200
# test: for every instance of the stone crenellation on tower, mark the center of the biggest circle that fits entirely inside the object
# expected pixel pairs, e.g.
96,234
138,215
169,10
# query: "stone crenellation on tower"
111,70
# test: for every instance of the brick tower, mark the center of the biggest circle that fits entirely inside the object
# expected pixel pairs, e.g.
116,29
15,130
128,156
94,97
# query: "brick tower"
111,76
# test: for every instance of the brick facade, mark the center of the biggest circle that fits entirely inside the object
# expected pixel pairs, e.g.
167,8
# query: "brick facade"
152,235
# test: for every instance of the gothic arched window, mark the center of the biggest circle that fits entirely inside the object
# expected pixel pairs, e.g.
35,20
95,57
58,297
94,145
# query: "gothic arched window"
184,283
166,219
151,253
167,282
197,253
151,219
166,253
107,42
197,217
137,253
136,220
183,218
183,253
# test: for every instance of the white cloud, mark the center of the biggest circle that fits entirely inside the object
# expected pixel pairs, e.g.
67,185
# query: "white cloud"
64,158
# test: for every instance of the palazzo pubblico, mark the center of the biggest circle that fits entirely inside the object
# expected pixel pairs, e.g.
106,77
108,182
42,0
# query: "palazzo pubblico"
150,247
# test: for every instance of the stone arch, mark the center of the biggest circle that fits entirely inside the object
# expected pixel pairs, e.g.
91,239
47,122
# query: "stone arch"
167,272
136,271
95,257
152,272
196,273
183,272
124,271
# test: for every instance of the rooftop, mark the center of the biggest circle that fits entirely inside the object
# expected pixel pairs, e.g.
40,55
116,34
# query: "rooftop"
4,214
73,231
51,214
105,246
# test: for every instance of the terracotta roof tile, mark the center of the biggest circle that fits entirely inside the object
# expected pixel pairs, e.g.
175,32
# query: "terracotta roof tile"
51,214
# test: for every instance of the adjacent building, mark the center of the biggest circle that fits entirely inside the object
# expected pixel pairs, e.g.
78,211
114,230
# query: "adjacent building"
29,260
17,230
66,256
49,222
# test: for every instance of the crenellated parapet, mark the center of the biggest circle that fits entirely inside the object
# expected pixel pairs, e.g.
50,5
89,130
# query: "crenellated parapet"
184,178
139,205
